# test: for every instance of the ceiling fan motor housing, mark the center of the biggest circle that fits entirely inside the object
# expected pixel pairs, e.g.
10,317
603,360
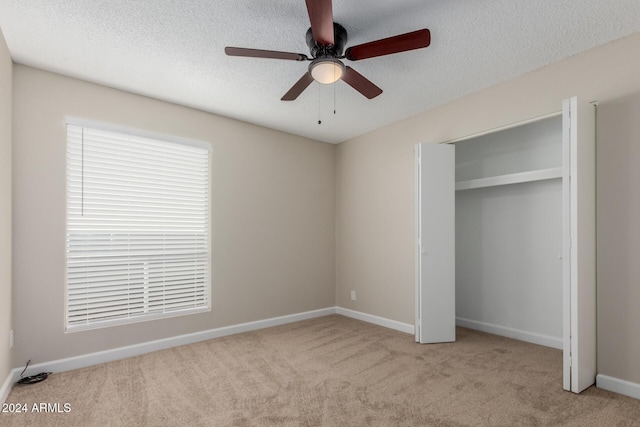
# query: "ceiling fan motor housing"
332,50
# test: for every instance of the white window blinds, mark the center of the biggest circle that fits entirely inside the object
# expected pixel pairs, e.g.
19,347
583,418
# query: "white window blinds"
137,241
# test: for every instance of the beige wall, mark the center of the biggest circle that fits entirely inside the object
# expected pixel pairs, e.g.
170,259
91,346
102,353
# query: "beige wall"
273,215
5,208
618,168
375,172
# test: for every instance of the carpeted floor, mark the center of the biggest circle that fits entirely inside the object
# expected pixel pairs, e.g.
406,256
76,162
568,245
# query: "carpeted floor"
330,371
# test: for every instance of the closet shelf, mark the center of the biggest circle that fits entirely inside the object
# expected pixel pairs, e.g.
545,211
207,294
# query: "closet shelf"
513,178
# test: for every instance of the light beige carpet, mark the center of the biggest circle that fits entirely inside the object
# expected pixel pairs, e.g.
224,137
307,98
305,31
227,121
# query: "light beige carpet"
330,371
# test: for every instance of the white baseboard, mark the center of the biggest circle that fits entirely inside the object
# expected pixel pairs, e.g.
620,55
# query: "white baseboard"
617,385
517,334
111,355
377,320
6,387
602,381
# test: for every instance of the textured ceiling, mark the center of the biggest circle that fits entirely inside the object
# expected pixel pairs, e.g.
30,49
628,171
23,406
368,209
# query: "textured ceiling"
174,50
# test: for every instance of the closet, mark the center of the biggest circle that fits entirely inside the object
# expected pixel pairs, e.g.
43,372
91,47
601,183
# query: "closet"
505,236
508,239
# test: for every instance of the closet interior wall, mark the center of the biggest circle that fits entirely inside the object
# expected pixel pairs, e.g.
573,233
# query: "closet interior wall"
509,232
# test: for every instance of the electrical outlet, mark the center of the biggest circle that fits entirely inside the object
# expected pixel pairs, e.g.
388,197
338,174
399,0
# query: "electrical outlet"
10,339
353,295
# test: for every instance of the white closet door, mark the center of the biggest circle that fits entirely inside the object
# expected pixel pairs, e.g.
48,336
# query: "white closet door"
579,251
435,243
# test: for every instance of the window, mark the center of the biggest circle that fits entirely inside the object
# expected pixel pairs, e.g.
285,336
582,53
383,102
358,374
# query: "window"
137,240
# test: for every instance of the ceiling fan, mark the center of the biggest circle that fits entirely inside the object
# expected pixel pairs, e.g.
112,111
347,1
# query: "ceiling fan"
326,40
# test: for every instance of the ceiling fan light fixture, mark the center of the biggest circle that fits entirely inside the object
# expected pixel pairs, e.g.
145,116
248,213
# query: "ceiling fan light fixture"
326,70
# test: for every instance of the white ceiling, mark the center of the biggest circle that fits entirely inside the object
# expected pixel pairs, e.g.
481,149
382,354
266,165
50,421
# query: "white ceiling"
174,50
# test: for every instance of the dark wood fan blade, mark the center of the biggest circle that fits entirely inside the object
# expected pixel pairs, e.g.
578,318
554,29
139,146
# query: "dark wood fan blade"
401,43
298,88
360,83
259,53
321,18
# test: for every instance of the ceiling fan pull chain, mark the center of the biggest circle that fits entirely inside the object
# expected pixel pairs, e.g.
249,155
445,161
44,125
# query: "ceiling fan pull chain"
319,121
334,98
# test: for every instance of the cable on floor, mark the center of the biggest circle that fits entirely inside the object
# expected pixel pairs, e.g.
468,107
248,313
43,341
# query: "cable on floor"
33,378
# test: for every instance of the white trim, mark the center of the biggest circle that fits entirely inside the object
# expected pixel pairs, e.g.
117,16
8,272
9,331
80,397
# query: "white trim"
416,239
501,128
617,385
8,385
377,320
517,334
111,355
566,249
